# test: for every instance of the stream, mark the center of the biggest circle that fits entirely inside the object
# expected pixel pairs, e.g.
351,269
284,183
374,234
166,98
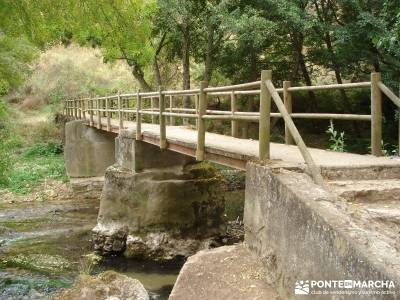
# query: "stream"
43,247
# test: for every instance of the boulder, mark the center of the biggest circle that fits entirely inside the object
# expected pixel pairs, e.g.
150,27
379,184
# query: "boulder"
105,286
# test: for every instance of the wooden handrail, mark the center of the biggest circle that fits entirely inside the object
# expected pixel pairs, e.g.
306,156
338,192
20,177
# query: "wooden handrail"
233,87
389,93
330,87
314,169
120,106
396,101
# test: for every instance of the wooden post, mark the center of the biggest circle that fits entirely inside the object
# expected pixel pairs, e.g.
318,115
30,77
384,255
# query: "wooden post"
84,102
196,107
201,130
108,114
171,106
265,117
376,115
75,109
287,100
313,168
138,117
127,108
123,107
120,118
91,112
78,103
153,117
98,113
81,107
163,127
234,123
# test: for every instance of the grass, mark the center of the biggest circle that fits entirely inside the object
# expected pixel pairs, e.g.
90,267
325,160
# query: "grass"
33,165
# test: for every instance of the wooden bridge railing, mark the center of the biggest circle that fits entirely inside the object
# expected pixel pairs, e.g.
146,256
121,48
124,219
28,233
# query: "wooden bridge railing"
130,106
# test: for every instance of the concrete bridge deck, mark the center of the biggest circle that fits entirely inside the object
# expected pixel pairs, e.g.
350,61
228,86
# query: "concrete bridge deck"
236,152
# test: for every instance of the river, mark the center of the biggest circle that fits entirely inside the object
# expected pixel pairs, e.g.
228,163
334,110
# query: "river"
43,248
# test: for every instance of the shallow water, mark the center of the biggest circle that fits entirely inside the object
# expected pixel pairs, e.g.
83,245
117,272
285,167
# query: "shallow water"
41,249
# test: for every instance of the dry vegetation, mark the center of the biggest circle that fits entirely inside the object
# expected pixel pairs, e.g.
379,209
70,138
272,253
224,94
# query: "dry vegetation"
63,72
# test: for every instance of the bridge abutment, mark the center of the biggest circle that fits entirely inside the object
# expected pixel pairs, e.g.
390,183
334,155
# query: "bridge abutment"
157,204
88,151
304,232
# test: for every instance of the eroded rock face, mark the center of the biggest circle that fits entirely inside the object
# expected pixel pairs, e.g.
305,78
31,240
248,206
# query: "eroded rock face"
164,247
160,214
107,285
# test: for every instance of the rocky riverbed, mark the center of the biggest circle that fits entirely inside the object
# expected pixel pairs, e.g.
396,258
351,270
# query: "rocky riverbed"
45,242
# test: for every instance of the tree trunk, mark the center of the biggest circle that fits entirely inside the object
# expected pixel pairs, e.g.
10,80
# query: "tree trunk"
208,70
186,67
250,99
156,67
297,42
157,73
139,76
347,107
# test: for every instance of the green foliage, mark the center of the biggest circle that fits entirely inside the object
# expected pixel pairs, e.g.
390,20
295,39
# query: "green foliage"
15,54
34,165
397,115
336,139
44,149
389,149
5,145
122,29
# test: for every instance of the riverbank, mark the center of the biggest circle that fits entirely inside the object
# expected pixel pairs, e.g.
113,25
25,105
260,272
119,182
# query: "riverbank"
46,221
46,225
44,245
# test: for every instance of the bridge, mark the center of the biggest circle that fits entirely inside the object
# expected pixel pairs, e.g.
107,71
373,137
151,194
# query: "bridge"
298,199
116,112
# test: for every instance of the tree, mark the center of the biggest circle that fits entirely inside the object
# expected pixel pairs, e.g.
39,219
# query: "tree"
121,28
180,18
15,56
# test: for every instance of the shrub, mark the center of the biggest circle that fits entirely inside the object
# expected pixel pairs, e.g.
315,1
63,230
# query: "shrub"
5,161
45,149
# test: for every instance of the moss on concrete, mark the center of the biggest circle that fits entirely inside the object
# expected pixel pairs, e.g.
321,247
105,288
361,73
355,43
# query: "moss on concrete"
201,170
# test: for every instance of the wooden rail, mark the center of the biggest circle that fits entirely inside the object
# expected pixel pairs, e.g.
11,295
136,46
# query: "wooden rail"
135,106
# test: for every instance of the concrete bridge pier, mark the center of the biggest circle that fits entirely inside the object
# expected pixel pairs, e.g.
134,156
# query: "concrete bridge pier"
87,151
157,204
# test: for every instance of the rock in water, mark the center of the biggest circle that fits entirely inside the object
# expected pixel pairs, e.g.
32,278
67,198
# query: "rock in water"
107,285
